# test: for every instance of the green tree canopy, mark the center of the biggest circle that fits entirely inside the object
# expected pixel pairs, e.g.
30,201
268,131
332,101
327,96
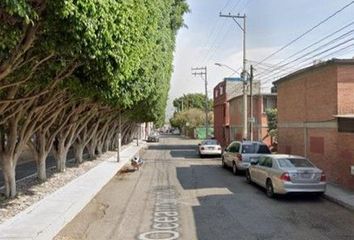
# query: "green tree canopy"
192,100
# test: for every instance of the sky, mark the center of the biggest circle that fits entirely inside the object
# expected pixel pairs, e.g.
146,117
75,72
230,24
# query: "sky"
270,25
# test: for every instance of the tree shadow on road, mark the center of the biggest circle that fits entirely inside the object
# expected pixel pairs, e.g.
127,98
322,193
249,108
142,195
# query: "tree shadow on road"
172,147
230,208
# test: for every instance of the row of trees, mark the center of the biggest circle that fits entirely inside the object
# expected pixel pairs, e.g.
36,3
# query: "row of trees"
190,111
192,100
70,69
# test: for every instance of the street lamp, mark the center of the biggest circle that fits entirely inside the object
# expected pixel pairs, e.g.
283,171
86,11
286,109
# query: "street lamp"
232,69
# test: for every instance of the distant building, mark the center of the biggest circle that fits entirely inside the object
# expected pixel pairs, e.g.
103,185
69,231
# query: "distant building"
261,102
316,117
228,112
222,93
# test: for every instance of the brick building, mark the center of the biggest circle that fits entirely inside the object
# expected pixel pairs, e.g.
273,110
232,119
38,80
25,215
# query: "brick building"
223,91
228,111
261,102
316,117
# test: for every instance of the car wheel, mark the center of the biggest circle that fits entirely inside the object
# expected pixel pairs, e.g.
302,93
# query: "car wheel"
248,177
223,163
234,169
269,188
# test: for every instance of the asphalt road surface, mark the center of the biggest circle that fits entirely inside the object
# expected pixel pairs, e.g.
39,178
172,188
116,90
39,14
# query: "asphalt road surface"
177,195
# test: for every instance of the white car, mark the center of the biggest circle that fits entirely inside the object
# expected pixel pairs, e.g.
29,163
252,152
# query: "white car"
209,147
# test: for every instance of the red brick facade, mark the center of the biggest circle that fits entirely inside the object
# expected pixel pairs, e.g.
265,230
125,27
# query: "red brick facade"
221,113
309,102
260,129
228,112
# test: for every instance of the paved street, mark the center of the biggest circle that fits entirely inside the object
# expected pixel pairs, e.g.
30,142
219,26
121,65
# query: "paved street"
177,195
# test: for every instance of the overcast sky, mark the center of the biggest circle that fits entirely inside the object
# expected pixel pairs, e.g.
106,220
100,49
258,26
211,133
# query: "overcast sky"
271,24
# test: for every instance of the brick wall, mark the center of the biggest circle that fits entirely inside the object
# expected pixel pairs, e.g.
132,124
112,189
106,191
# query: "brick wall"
345,89
306,103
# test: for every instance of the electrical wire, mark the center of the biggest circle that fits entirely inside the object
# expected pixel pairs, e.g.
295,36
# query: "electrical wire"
308,61
313,44
307,32
279,67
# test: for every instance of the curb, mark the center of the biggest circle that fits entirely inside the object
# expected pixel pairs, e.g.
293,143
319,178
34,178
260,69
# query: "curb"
338,202
47,217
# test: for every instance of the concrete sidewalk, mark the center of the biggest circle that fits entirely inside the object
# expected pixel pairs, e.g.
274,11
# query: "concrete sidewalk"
46,218
340,196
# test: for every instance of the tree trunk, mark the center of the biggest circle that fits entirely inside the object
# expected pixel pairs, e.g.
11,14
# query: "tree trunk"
99,148
106,145
91,147
79,151
41,167
9,177
60,154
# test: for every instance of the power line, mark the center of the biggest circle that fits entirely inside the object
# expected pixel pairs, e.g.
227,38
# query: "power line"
280,67
225,6
216,43
307,32
306,62
212,37
235,6
311,45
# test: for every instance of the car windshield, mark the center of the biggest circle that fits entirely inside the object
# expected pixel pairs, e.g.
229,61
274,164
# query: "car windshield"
255,148
294,163
210,142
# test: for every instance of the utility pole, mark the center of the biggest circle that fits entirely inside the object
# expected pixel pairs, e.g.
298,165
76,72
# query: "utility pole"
252,119
202,72
244,71
119,136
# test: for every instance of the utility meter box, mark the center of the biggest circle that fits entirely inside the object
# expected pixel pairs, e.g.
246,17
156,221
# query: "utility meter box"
352,170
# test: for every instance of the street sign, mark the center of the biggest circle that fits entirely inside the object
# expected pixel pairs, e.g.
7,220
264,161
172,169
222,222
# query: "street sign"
236,79
252,120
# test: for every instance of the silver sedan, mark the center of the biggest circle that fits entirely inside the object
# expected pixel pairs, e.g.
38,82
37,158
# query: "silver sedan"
282,174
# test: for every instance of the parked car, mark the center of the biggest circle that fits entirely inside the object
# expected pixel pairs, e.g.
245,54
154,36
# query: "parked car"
282,174
238,154
153,137
209,147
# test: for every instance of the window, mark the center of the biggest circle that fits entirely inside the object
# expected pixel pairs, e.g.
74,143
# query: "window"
237,147
269,102
233,148
268,162
262,161
255,148
221,88
210,142
216,93
294,162
346,125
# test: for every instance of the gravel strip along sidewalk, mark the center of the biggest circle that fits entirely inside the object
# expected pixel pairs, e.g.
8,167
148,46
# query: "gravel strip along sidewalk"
45,218
31,190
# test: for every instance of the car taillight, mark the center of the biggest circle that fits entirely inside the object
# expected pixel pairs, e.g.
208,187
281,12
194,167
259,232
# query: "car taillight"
323,177
202,148
219,148
285,177
239,156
